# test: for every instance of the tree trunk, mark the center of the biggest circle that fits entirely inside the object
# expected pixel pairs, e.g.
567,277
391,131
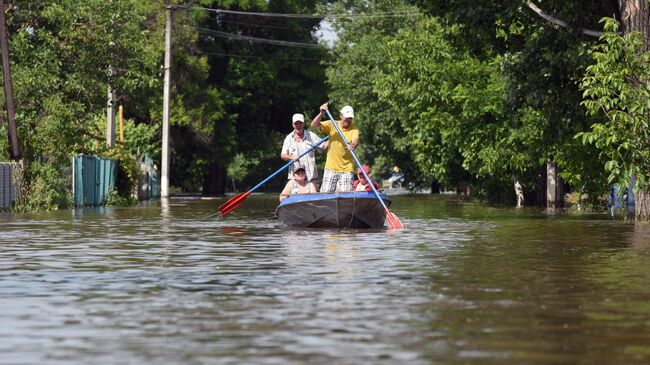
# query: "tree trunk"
463,188
554,191
519,194
642,205
435,187
635,17
215,180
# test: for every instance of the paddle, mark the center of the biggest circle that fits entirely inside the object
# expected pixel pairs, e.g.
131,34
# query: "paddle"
391,219
237,200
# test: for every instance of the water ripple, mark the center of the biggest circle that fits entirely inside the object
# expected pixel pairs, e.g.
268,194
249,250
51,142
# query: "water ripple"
165,285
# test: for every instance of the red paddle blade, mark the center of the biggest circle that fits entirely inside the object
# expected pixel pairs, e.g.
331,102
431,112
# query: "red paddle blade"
233,203
393,221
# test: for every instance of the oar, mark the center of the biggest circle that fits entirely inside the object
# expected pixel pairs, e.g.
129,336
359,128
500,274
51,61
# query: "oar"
391,219
237,200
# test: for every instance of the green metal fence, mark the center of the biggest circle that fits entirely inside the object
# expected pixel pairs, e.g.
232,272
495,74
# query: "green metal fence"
93,179
10,183
6,189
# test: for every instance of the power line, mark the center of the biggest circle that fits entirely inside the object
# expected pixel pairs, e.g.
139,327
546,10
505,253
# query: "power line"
268,26
240,37
253,25
305,16
309,28
264,57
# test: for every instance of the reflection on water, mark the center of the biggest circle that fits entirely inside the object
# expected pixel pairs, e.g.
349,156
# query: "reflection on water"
165,283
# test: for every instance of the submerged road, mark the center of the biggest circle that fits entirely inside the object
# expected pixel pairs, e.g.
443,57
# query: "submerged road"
463,283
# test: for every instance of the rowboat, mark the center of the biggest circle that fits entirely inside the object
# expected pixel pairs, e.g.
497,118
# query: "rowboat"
333,210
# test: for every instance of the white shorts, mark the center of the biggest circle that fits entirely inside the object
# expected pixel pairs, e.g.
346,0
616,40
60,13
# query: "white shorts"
337,181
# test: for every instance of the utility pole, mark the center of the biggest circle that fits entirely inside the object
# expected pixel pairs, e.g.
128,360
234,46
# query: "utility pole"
110,102
14,152
164,179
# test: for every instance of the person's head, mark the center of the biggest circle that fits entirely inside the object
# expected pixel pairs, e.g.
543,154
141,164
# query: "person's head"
347,114
298,121
360,173
300,174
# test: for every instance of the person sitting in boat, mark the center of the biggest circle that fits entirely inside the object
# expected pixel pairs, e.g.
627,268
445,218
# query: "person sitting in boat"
296,143
361,184
298,185
339,164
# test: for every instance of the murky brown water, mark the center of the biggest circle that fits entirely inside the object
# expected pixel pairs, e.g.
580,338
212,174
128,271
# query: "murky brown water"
463,284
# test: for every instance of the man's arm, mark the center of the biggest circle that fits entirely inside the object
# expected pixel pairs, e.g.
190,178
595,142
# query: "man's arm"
354,140
316,138
285,148
315,123
288,157
286,191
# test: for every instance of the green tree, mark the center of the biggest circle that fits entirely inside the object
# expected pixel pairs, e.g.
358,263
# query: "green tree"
359,64
486,92
246,91
616,91
428,105
61,51
229,96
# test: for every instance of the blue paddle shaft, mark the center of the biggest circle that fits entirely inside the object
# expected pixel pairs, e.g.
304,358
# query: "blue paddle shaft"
288,164
356,160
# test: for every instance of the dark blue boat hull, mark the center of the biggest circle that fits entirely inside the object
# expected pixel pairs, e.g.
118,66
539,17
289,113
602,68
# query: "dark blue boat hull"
333,210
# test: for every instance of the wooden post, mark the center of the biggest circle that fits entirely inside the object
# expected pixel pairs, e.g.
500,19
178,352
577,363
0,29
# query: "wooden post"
110,118
121,117
164,179
14,151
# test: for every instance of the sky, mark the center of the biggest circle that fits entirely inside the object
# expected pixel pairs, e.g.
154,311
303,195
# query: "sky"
326,33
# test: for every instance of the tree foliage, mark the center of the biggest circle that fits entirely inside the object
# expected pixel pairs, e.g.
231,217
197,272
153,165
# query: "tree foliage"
254,87
617,92
229,97
435,108
64,54
454,92
480,96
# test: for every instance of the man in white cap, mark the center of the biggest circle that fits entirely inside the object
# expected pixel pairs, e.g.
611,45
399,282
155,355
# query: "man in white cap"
298,142
339,166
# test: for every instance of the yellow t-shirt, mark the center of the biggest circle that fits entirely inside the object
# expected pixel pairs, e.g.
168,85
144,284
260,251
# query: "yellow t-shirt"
339,159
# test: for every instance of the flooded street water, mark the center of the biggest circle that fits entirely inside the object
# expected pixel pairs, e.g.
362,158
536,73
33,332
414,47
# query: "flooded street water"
463,283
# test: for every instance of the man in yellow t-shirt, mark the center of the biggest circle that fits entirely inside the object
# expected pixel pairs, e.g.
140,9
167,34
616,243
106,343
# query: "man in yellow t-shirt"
339,165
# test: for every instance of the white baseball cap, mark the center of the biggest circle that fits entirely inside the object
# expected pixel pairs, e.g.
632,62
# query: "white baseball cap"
298,117
347,112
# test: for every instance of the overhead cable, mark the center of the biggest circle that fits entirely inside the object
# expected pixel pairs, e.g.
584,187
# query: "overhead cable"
305,16
320,27
266,26
264,57
240,37
254,25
